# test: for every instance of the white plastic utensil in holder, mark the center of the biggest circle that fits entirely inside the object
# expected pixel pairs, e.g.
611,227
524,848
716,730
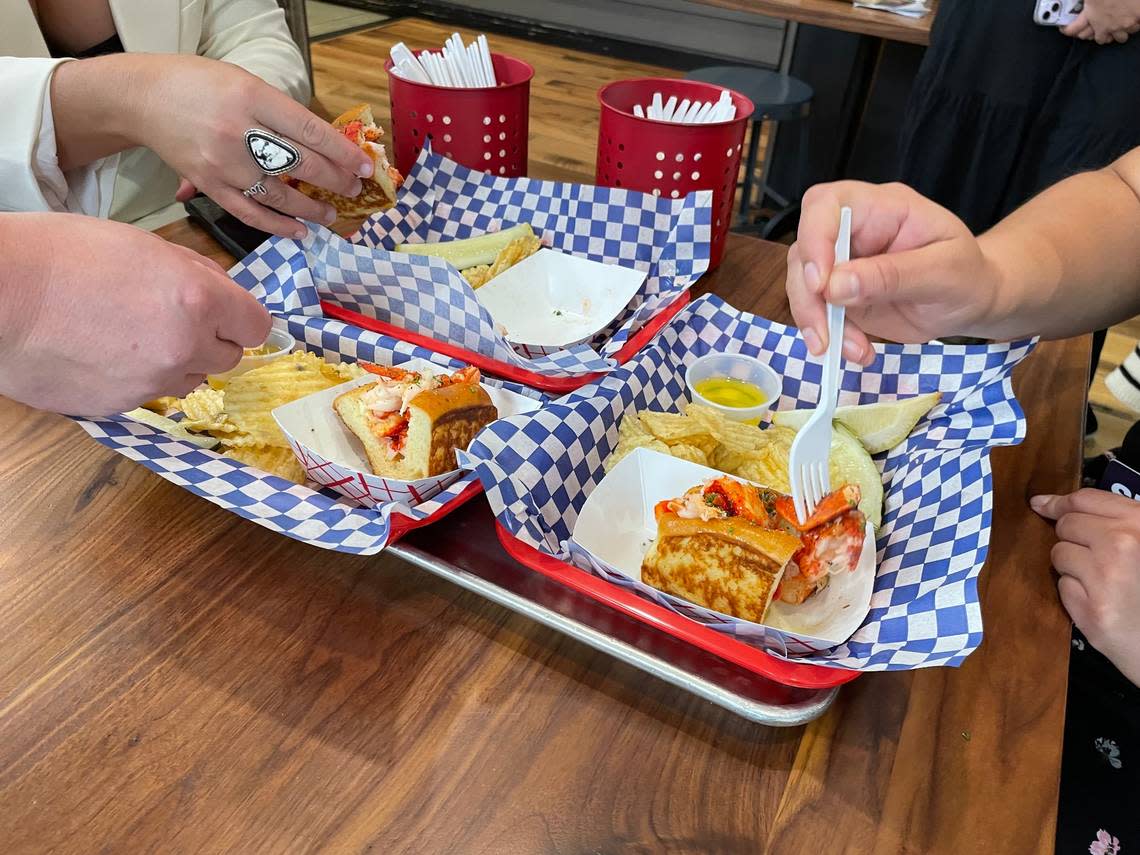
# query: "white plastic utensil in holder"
483,127
690,111
672,159
456,65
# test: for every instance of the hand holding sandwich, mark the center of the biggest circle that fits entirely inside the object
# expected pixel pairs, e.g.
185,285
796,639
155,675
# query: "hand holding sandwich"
117,317
194,112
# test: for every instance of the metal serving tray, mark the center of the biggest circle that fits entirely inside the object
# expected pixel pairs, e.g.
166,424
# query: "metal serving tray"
464,549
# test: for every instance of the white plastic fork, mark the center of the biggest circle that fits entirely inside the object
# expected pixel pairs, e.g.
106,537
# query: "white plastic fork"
811,449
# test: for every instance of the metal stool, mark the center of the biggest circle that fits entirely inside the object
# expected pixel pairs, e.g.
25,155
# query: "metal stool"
778,98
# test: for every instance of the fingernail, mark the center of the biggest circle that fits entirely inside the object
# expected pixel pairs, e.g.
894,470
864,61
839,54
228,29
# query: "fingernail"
844,286
813,342
853,350
365,170
811,277
356,188
1039,503
300,233
329,216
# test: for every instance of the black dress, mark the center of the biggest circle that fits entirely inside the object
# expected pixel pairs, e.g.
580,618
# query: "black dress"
1001,109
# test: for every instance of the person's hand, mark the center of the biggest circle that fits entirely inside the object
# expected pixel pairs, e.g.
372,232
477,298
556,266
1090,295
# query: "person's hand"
194,112
1106,21
1098,558
97,317
916,272
185,192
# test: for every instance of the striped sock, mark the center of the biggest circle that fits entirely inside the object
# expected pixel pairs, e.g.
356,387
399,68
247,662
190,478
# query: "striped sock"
1124,381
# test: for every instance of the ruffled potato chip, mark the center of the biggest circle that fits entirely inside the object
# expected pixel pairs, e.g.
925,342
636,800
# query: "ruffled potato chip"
690,453
628,447
673,427
271,459
250,398
204,410
631,426
703,435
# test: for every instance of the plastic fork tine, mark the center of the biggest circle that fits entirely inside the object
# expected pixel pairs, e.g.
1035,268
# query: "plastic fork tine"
819,480
798,497
811,449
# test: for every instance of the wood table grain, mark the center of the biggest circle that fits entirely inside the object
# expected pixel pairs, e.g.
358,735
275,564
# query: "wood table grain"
176,679
840,15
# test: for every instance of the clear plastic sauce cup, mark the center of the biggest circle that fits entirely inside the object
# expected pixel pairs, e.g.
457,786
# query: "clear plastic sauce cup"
735,366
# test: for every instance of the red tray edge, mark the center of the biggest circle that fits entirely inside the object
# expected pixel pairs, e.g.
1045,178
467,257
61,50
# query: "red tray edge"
798,675
400,525
501,369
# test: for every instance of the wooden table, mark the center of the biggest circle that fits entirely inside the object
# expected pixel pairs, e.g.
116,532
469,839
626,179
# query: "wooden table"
839,15
177,679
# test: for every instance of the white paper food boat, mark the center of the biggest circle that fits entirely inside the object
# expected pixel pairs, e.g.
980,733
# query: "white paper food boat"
333,457
617,525
550,301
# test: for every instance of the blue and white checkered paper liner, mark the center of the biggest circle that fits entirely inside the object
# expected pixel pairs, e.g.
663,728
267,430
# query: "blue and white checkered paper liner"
667,238
538,469
320,518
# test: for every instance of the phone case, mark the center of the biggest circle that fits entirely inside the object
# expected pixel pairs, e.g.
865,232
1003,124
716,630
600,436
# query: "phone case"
238,239
1057,13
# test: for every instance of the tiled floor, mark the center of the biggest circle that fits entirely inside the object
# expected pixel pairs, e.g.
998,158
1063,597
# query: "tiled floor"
328,18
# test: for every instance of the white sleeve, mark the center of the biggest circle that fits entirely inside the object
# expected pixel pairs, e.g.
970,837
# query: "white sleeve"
254,35
30,177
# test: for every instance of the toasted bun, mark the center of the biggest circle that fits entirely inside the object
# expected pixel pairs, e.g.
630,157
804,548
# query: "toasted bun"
445,419
729,565
439,421
378,192
363,112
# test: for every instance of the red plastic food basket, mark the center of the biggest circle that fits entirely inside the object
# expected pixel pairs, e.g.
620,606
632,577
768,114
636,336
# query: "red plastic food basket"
669,159
399,525
556,385
483,129
799,674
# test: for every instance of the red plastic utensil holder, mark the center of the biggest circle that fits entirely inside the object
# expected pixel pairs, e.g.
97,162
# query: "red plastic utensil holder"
483,129
670,159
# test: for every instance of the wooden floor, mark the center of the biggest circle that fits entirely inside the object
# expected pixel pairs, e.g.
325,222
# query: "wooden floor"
564,129
1114,417
563,106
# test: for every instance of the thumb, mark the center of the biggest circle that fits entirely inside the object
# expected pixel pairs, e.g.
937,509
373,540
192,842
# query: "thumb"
1051,507
1075,28
186,191
912,276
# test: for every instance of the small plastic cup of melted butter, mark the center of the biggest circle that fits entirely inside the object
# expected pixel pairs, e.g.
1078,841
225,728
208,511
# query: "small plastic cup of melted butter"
740,387
277,344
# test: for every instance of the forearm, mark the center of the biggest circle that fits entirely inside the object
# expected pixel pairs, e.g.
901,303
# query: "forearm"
1067,262
95,104
20,243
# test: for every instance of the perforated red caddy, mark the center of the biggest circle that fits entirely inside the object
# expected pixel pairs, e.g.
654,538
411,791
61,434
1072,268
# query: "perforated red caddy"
485,128
669,159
